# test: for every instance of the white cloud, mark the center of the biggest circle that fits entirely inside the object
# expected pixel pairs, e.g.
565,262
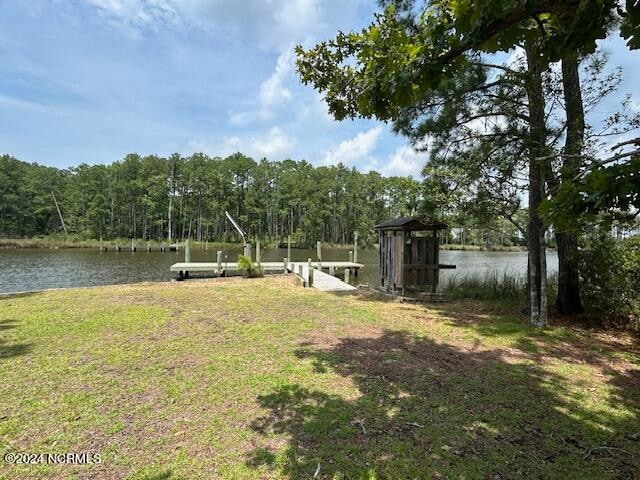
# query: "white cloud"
138,13
274,144
403,162
487,124
272,24
273,90
356,149
316,110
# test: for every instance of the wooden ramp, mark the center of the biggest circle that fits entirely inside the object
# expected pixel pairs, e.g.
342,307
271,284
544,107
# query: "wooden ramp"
328,283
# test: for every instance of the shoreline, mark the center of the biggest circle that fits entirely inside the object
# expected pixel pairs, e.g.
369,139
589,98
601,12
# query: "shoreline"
141,244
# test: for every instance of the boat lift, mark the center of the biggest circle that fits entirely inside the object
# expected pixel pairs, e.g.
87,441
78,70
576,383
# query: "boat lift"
246,245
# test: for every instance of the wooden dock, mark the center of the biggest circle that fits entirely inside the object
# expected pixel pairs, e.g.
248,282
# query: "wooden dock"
329,283
320,280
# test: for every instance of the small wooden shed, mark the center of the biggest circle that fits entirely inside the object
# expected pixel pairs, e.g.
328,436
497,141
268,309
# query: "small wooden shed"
409,254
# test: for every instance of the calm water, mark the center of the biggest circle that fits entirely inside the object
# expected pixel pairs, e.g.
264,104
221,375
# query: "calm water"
36,269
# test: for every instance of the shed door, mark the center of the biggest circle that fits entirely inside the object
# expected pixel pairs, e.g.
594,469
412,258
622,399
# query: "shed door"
421,262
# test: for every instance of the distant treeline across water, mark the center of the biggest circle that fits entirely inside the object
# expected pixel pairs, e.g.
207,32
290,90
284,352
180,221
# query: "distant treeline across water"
153,197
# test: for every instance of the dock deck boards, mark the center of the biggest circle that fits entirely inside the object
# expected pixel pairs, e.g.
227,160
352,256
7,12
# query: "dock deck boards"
328,283
321,280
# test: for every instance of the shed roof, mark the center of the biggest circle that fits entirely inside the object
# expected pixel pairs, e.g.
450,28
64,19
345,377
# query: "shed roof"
410,224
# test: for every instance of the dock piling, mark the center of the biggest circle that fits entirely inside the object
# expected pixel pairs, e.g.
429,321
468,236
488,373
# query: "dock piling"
319,254
219,260
187,251
347,275
355,247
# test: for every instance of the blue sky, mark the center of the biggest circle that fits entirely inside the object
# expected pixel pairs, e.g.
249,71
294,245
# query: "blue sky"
92,80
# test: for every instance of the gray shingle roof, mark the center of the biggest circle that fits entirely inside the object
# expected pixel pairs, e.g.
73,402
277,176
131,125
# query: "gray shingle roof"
411,224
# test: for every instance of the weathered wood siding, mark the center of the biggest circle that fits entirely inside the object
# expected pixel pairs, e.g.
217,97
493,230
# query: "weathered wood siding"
408,262
421,263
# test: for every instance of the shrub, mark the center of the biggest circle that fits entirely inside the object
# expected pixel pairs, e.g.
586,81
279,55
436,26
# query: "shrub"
610,274
248,267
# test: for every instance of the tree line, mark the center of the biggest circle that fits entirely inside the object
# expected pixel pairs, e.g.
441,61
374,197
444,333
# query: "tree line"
152,197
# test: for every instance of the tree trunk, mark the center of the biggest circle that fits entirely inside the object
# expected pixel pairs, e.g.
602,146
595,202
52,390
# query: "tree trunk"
568,302
535,241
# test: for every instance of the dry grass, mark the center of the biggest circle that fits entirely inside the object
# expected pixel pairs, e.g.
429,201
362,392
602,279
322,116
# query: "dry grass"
263,379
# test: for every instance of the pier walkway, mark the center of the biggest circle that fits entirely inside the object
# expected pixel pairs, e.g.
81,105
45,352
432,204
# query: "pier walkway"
326,282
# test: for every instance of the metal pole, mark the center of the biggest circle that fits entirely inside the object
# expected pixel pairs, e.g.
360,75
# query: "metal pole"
64,227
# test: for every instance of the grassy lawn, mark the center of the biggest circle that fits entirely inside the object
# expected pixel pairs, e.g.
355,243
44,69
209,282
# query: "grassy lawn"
262,379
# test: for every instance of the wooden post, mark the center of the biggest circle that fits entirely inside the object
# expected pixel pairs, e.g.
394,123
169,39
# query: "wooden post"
350,256
219,260
286,264
226,263
347,274
436,273
133,245
289,247
319,254
355,247
332,271
187,251
400,246
258,253
382,255
310,273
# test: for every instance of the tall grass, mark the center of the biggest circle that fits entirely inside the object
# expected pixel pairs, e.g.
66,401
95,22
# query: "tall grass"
51,241
500,287
482,248
76,241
